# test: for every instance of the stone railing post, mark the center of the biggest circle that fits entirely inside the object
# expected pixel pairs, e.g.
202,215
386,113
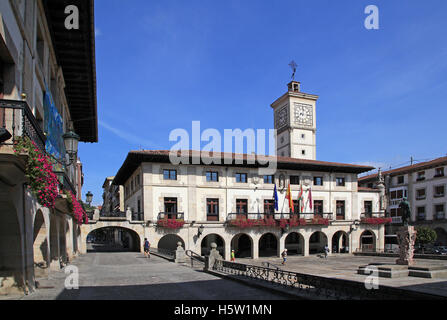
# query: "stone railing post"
96,214
180,255
214,255
128,214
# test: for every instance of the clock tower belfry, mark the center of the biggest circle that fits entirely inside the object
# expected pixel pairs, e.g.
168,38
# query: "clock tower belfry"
295,122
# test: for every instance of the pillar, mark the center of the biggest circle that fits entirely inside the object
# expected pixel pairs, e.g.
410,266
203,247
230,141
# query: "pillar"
255,249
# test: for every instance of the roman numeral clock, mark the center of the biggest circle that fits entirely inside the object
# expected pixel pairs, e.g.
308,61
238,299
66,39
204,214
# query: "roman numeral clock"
303,114
294,120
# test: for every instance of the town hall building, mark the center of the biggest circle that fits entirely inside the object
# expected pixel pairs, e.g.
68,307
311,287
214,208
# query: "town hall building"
233,205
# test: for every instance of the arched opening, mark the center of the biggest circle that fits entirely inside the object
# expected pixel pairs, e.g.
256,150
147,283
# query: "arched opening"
169,242
441,239
40,246
268,245
340,242
11,264
242,245
206,244
113,239
294,243
317,242
368,241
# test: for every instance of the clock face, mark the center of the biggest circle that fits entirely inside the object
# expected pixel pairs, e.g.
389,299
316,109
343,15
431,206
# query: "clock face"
303,114
281,117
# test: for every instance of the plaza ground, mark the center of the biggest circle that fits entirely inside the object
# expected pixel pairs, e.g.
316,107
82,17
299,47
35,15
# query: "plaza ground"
131,276
344,266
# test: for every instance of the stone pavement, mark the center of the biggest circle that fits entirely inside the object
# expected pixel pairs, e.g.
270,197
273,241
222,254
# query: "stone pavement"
129,275
344,266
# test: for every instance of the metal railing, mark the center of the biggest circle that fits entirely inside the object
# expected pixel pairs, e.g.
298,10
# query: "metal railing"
195,257
137,216
278,216
17,118
372,215
329,288
167,253
117,214
171,215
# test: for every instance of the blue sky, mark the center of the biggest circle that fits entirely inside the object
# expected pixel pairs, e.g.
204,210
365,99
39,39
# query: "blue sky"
163,64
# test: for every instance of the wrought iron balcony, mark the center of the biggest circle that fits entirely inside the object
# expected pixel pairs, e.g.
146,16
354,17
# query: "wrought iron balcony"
16,117
365,215
171,215
137,216
278,216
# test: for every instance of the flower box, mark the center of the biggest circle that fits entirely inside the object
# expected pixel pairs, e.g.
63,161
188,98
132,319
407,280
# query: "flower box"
170,223
319,221
375,220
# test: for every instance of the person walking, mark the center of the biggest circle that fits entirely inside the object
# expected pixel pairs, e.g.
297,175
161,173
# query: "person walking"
147,245
326,251
232,256
284,256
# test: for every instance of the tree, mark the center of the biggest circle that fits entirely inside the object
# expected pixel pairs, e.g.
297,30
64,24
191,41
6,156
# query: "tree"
425,235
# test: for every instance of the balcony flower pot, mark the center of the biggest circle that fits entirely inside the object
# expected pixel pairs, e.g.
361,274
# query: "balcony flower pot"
170,223
375,221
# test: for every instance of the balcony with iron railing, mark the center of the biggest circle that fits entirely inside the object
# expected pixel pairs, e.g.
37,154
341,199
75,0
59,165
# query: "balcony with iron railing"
374,218
171,215
17,120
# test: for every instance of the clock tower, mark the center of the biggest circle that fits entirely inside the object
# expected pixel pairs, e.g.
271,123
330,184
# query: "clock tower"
295,122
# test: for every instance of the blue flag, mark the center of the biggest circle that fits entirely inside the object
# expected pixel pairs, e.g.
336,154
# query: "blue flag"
275,197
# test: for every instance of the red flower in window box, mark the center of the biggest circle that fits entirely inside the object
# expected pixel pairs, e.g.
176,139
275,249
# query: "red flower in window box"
170,223
375,221
320,221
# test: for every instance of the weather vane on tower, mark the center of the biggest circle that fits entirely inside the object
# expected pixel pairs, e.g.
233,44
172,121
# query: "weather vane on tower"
293,65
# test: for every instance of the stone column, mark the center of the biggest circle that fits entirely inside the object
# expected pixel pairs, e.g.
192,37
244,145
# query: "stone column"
406,236
282,244
255,249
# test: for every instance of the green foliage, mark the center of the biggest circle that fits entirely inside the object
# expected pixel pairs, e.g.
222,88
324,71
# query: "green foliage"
425,235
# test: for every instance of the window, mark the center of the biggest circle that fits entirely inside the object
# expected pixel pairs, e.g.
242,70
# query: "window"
212,209
368,206
296,207
318,207
169,174
340,182
139,206
421,176
439,191
241,206
138,180
400,179
420,213
420,194
294,179
439,211
318,181
241,177
212,176
340,209
269,179
439,172
269,206
170,206
303,136
303,152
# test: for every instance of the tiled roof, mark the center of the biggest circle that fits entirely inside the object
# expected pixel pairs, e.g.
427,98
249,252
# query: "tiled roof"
135,158
411,168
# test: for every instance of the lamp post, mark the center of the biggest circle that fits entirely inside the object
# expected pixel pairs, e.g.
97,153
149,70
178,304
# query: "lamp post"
71,140
89,198
200,231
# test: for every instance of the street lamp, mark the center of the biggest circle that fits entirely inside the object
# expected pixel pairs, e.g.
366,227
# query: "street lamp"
200,231
89,198
71,140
